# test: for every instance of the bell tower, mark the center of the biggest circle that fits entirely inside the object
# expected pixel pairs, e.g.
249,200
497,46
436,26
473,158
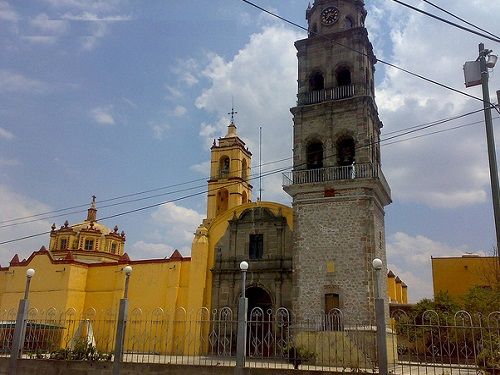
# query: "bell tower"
229,173
337,185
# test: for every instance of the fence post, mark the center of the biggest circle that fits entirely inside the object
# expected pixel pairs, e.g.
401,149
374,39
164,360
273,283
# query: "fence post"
241,341
380,319
120,325
20,328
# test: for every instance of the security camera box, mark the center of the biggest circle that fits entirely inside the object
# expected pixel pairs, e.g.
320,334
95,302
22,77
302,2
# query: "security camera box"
472,73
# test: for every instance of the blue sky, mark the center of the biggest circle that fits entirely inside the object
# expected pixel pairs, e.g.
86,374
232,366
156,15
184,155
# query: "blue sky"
117,97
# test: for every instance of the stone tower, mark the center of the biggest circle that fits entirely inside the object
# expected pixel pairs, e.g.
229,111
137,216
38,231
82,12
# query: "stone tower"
229,173
337,186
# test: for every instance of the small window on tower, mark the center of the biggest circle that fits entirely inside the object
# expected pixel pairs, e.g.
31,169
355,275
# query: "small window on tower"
316,82
348,23
64,244
343,76
256,246
113,248
314,155
89,245
224,167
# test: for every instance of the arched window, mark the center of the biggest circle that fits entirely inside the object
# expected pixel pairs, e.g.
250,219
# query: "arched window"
343,76
315,155
244,197
244,168
222,200
224,167
313,30
348,23
345,151
316,82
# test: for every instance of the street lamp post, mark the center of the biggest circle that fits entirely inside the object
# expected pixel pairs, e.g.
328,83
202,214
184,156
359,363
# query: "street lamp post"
120,325
380,318
241,341
20,328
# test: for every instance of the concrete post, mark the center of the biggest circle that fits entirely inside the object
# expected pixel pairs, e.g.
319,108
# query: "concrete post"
380,319
121,324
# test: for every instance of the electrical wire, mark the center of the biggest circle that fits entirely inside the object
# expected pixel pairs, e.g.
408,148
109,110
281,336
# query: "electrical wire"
459,18
268,173
495,39
36,217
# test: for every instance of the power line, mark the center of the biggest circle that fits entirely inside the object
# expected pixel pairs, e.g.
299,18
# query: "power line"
36,217
271,172
459,18
495,39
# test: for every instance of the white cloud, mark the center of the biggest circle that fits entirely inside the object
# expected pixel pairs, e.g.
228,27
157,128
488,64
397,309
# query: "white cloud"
40,39
179,111
7,13
409,257
145,250
18,83
15,205
92,17
103,115
203,168
173,226
45,24
159,130
97,31
5,134
90,5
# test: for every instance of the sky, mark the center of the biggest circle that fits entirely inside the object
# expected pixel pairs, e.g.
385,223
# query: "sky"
122,99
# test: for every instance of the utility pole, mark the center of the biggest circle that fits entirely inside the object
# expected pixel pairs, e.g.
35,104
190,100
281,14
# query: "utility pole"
490,139
474,70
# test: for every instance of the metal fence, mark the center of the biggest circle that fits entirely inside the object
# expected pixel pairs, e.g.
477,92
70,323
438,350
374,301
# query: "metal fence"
431,342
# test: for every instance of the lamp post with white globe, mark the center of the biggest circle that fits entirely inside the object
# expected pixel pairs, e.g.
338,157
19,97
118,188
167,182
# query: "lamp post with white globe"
20,328
121,324
241,341
380,319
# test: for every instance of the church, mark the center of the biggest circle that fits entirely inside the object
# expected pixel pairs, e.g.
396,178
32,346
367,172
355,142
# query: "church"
309,258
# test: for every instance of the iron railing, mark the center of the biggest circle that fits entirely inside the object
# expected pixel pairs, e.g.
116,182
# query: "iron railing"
430,343
334,93
329,174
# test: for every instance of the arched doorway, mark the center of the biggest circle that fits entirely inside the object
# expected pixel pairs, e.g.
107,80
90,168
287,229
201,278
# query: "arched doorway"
259,326
258,297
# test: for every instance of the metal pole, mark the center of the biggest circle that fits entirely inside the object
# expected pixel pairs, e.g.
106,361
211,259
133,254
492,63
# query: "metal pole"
381,327
490,139
241,341
120,328
19,330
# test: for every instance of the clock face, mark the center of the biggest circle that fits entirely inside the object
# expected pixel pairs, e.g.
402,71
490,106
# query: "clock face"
329,16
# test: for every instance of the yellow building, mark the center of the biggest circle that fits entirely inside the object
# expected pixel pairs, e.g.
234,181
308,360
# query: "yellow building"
457,275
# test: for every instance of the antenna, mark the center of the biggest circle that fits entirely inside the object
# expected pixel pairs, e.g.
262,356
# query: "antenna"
260,163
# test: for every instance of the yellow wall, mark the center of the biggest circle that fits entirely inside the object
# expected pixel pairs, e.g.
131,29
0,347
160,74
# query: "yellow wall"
456,275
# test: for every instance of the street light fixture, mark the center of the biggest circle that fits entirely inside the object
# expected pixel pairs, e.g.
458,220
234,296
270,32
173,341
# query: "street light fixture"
20,328
121,324
380,319
241,341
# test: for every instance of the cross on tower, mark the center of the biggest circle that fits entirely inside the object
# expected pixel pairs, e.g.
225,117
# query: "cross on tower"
232,113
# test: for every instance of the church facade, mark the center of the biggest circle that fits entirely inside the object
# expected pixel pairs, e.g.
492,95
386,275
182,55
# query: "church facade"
310,258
